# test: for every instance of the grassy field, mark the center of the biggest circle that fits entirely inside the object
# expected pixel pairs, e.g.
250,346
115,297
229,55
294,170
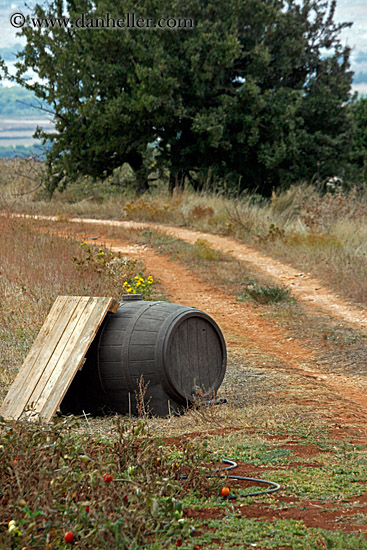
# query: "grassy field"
142,483
324,234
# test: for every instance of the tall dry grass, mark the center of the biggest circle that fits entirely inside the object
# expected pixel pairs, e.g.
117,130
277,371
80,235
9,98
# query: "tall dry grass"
321,233
35,268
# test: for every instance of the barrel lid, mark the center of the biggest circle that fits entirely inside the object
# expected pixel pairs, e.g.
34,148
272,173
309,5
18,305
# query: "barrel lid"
194,355
131,297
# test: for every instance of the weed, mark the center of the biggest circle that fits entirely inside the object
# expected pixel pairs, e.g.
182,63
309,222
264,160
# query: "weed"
267,294
200,212
203,250
142,404
139,285
121,493
141,209
273,234
116,268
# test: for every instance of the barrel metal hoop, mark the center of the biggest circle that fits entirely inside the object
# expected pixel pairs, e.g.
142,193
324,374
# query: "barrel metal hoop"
126,347
98,346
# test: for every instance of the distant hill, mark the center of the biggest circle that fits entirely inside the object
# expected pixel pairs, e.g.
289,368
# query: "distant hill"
17,101
8,53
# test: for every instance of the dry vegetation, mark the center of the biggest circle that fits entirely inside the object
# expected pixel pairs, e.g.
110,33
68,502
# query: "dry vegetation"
324,234
35,269
269,426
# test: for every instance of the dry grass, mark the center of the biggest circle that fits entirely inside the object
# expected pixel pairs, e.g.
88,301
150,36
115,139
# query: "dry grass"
323,234
35,269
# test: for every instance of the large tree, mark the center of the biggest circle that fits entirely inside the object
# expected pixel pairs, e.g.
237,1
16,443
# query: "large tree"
358,152
254,95
95,84
264,88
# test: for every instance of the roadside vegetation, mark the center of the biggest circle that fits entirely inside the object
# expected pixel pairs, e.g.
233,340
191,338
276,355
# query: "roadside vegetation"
121,482
243,126
321,231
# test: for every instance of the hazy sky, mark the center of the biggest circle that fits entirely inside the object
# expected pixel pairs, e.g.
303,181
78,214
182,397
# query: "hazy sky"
347,10
356,37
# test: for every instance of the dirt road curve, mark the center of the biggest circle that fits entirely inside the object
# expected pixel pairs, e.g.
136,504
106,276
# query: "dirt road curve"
303,286
243,327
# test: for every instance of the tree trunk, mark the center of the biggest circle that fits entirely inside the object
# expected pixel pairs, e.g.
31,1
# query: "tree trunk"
135,160
176,180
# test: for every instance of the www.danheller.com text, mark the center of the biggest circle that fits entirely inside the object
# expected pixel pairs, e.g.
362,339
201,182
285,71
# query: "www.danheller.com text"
85,21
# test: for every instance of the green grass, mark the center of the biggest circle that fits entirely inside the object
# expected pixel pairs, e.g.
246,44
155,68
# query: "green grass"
235,531
266,294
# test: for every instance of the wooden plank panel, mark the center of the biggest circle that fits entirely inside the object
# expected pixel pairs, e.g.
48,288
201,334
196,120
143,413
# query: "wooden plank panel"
72,357
21,387
42,361
63,341
113,307
54,353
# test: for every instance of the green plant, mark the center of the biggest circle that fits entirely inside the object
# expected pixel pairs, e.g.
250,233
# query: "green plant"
202,249
139,285
267,294
116,268
66,497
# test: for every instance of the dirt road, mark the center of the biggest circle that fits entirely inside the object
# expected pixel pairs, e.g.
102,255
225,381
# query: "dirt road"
243,326
302,285
287,367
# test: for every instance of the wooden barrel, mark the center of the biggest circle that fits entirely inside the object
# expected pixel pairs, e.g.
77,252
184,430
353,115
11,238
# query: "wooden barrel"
176,352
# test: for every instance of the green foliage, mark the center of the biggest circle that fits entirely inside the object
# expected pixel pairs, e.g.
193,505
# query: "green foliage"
117,493
267,294
358,154
202,249
247,97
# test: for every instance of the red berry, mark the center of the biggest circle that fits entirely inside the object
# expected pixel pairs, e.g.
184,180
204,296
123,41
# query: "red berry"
178,542
225,491
69,537
87,509
107,478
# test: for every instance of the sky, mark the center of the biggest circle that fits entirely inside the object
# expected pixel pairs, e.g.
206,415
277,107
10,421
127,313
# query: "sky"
356,38
354,11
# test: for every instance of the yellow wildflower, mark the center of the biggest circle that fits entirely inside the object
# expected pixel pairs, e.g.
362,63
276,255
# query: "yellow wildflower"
125,283
129,289
83,243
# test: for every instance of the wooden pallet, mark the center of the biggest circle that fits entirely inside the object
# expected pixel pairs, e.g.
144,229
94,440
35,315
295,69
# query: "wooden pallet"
55,357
